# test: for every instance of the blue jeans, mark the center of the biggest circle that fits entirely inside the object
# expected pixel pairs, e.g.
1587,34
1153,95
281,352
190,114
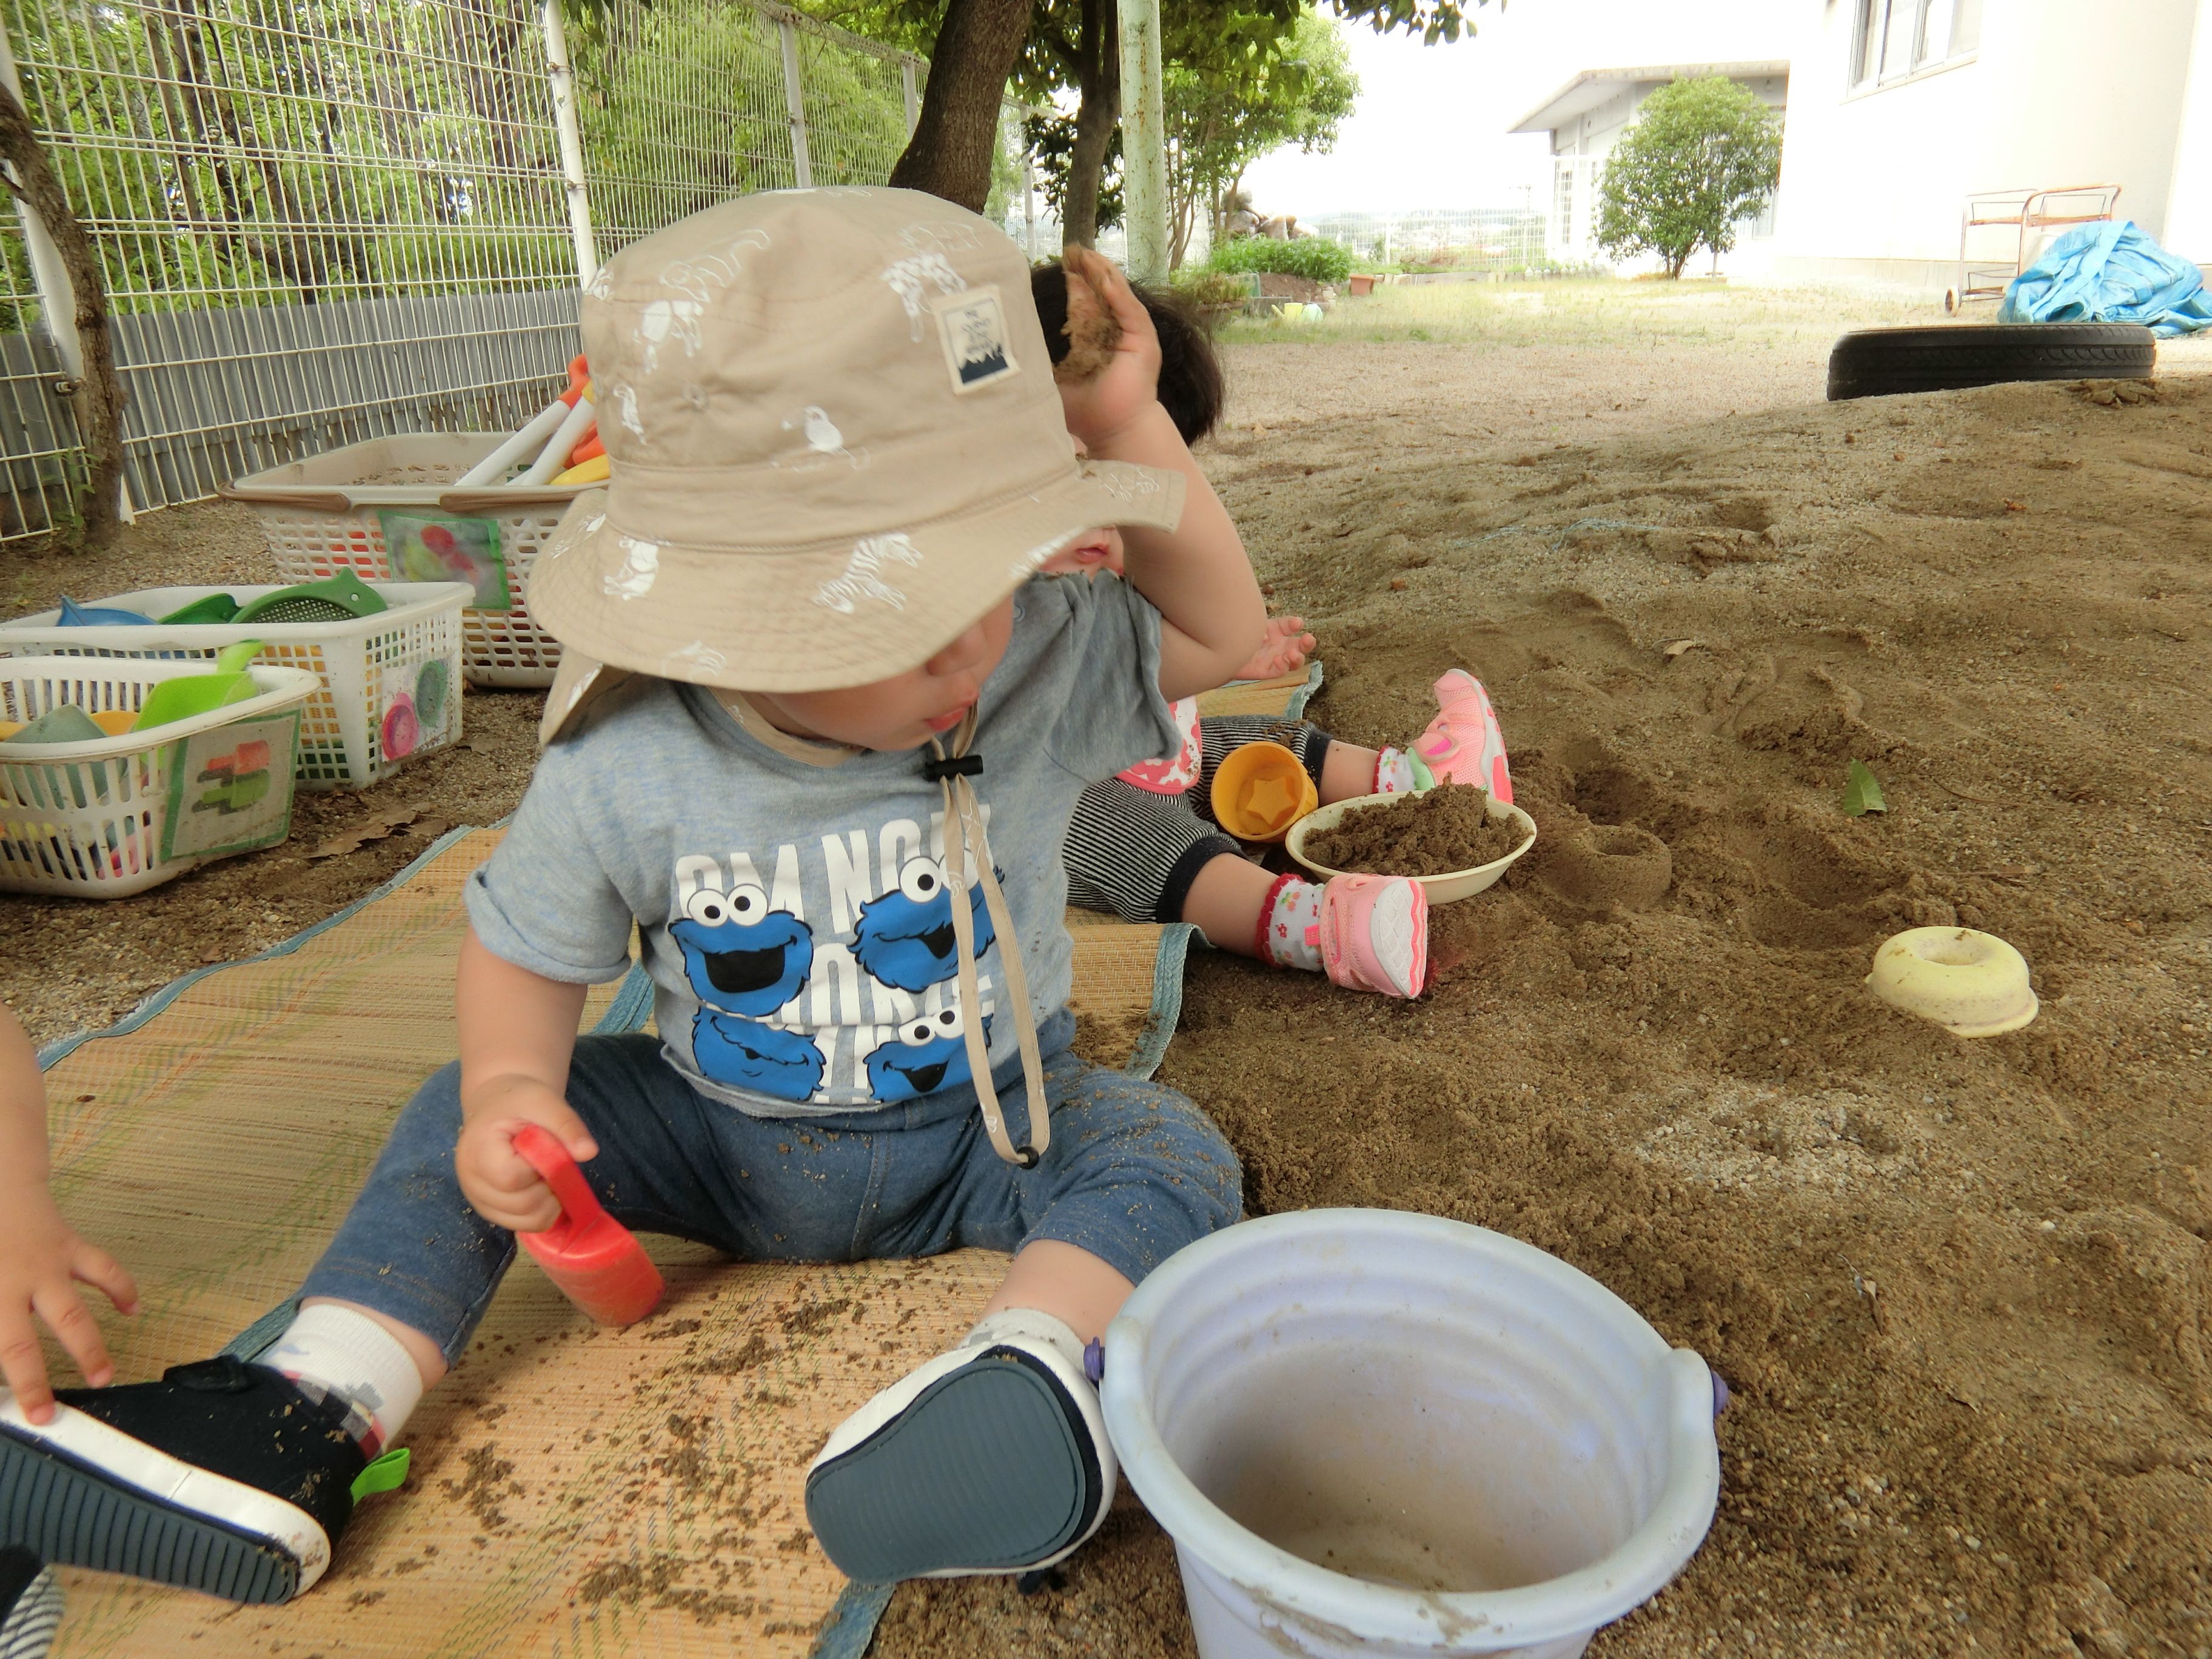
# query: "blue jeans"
1135,1172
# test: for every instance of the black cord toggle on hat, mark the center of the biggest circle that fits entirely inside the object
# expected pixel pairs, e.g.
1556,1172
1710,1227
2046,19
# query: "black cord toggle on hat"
937,768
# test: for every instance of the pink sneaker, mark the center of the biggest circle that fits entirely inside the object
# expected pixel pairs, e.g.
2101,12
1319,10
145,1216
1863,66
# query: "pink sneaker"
1375,934
1463,744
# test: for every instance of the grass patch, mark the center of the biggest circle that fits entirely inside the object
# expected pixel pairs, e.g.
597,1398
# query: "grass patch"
1600,311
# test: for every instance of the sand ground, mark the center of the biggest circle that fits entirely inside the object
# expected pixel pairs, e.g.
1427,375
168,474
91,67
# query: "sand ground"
1960,1288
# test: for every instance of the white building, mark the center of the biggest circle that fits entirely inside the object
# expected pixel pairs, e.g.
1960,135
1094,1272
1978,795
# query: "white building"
1901,109
1897,110
1585,119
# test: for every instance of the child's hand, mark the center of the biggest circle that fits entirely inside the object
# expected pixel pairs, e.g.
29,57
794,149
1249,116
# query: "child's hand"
1102,405
1283,648
42,1260
497,1180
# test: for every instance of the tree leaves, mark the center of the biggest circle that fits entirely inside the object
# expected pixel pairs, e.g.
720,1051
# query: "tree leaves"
1863,793
1702,156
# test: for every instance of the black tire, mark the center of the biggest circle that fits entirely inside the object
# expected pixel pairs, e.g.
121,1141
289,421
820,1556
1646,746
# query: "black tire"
1879,362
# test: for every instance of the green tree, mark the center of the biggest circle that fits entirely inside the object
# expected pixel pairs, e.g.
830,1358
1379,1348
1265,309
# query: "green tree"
1075,43
1703,155
1221,121
1225,108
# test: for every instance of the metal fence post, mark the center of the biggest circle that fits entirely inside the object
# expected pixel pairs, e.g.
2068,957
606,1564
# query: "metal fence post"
1028,201
1144,141
802,164
913,97
572,141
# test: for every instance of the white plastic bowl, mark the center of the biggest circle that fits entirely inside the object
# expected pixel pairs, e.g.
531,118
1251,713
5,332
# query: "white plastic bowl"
1442,889
1500,1453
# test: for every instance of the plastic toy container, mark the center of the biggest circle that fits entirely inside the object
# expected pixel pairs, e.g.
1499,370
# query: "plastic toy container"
1370,1433
102,819
390,683
385,509
1449,888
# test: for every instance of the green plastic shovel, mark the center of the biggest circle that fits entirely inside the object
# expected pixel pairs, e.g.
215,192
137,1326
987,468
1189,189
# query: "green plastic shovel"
191,695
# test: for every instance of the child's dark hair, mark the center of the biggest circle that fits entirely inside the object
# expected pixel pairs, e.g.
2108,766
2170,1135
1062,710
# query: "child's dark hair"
1190,373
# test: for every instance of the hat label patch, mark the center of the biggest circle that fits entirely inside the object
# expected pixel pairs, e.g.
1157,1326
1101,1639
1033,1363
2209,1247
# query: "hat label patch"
972,329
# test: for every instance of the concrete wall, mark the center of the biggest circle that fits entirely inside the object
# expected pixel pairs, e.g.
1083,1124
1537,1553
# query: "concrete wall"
2058,93
2189,203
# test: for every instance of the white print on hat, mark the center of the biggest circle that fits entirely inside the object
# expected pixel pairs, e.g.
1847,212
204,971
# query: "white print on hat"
1125,486
860,581
665,319
906,278
641,564
823,440
696,280
698,655
1026,565
947,236
972,328
626,397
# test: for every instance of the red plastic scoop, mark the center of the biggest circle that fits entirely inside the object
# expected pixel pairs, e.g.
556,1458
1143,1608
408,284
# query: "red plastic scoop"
595,1259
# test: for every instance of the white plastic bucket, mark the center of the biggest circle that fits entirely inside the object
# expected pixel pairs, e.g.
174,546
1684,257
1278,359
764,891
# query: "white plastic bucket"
1496,1452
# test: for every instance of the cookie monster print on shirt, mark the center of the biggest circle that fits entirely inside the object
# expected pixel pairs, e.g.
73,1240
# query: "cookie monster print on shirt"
741,956
791,907
926,1055
858,1008
906,936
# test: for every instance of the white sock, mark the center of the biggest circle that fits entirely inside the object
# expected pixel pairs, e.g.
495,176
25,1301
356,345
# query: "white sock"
1394,772
349,1354
1033,1324
1294,927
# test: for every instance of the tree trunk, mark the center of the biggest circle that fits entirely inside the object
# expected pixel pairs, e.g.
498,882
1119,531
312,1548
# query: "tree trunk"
957,132
1098,79
98,397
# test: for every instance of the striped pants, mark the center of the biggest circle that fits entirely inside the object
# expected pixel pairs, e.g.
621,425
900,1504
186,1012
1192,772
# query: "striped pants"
1136,853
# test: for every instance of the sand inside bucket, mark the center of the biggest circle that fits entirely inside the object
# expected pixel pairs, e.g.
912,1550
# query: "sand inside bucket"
1403,1467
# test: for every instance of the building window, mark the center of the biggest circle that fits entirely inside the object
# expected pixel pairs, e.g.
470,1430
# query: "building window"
1894,38
1562,197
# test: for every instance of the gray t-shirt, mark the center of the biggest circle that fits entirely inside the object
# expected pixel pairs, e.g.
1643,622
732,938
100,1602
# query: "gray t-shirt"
794,917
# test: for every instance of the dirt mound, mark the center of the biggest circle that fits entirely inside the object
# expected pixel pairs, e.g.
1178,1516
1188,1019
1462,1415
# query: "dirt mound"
1962,1289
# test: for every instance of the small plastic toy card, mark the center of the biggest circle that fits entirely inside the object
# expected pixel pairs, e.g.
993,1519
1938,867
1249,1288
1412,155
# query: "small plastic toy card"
425,546
229,789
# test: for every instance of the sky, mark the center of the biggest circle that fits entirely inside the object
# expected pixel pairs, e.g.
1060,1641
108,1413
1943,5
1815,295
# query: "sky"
1429,126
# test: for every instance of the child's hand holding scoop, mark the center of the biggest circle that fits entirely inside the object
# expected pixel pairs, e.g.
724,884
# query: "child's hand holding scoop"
596,1261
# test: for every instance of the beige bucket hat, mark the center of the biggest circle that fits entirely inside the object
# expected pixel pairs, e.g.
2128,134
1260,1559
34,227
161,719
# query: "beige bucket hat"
835,443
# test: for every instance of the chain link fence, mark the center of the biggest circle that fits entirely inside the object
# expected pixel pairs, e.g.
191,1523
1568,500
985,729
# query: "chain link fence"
321,220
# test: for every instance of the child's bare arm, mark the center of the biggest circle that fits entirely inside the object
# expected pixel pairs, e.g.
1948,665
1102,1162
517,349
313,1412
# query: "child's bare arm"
1197,576
518,1031
42,1260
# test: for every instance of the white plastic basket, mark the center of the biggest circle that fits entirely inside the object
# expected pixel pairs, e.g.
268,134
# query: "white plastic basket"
116,816
330,514
390,683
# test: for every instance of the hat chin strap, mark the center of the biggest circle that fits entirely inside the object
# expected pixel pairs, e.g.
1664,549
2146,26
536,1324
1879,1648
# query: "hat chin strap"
964,838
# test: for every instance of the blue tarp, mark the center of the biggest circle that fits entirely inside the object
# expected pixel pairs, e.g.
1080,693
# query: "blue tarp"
2109,272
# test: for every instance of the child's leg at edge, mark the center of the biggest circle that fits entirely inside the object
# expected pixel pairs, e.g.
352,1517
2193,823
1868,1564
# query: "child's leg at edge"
993,1457
416,1261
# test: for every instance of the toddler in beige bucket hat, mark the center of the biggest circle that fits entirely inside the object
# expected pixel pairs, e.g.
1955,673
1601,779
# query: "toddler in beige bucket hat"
835,441
817,738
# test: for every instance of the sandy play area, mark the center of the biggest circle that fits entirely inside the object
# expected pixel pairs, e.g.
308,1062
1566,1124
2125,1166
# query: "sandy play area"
1962,1291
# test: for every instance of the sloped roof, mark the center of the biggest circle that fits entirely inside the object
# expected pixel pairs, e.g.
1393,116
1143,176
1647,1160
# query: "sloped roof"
1595,87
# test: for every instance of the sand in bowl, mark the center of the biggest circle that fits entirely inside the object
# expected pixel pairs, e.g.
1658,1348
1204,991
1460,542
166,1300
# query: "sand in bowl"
1445,829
